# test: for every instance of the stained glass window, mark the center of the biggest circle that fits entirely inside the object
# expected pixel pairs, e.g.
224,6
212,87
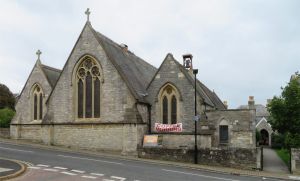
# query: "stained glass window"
80,99
88,89
174,110
165,110
97,98
41,107
37,103
35,107
169,97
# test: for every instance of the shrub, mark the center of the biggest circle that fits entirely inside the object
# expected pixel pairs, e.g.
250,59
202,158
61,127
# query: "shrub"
278,141
292,140
6,116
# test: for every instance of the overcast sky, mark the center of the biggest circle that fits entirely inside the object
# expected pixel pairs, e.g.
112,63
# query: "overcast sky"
241,48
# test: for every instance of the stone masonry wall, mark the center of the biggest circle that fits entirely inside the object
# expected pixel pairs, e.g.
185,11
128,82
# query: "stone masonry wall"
242,158
173,141
241,125
123,138
4,133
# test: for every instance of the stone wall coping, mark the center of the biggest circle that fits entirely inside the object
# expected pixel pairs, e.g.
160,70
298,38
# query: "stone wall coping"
78,123
182,133
224,110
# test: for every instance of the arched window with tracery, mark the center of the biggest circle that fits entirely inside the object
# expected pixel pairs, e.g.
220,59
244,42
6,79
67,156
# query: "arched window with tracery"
169,104
88,88
37,103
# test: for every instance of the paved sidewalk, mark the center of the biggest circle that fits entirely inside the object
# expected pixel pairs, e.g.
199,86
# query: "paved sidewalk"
273,163
229,170
10,168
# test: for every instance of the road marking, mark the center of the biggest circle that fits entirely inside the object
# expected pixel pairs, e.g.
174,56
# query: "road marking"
119,178
117,163
51,169
78,171
108,180
91,177
62,168
15,149
40,165
34,167
294,177
205,176
68,173
5,169
97,174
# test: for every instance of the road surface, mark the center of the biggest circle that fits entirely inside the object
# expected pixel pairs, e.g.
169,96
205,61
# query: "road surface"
56,165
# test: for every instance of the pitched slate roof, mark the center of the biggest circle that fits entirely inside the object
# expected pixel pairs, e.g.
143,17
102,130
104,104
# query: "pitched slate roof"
261,110
51,73
136,72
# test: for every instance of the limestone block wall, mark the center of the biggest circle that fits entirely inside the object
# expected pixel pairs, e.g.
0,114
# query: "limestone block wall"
115,95
242,158
4,133
173,141
241,125
123,138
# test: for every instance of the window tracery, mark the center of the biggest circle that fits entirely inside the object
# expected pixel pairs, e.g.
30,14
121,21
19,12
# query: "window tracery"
88,89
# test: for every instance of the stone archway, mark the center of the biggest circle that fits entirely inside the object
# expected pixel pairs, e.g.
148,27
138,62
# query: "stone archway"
264,137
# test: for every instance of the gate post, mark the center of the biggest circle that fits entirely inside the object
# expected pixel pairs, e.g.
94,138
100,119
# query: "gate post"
261,158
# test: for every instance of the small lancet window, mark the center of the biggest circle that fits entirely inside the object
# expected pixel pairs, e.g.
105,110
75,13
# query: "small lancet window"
223,134
169,104
88,89
37,103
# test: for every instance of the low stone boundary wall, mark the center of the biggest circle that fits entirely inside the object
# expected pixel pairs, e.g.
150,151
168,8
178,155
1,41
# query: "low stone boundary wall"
243,158
295,160
4,133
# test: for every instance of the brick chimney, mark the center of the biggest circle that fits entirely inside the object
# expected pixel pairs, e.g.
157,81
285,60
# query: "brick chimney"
124,47
225,104
251,102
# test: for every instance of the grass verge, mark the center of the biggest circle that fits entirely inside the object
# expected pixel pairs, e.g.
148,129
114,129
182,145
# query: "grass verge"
284,154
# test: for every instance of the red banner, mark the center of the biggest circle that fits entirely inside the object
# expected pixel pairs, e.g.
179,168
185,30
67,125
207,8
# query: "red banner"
168,127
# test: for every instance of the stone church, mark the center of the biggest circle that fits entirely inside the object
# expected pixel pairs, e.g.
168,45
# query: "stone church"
107,98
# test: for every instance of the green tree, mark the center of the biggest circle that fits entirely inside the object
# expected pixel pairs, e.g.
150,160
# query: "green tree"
7,99
285,111
6,116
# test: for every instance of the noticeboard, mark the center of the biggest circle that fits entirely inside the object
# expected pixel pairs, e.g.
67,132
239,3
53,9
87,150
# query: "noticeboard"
152,140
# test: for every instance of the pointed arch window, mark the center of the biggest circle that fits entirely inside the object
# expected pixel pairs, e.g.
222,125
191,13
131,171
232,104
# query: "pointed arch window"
37,103
169,104
88,89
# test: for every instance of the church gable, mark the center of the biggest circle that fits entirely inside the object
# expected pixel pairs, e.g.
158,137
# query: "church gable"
75,101
31,106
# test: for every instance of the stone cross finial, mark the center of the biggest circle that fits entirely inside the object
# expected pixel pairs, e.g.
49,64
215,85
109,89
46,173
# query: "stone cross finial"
87,12
38,54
